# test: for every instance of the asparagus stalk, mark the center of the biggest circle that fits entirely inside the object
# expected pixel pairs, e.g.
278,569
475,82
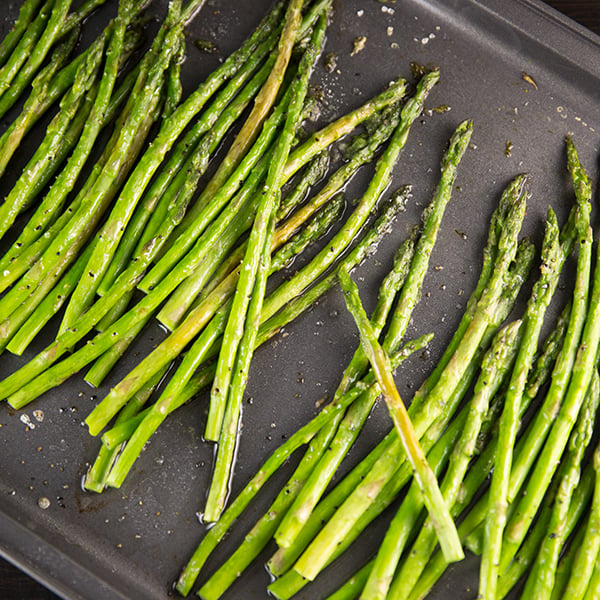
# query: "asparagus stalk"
489,255
299,157
525,557
479,470
582,572
250,130
194,357
187,293
39,168
427,481
219,116
49,85
240,332
594,586
173,311
163,406
107,361
566,563
37,102
552,260
197,287
291,582
54,28
24,47
111,231
26,15
230,64
541,579
40,225
195,164
353,586
351,424
288,290
62,249
529,446
382,174
33,239
268,329
49,306
10,325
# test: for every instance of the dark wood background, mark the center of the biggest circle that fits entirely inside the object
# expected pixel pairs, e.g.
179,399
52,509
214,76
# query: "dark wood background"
14,585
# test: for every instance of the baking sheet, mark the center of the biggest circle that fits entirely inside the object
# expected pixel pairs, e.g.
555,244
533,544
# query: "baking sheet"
132,542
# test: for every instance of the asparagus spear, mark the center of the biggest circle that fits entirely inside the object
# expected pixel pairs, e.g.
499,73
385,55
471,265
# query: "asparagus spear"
194,320
541,579
300,156
273,303
17,317
54,28
268,329
525,557
193,169
240,332
552,260
181,299
178,303
229,64
194,357
494,368
24,47
594,586
111,231
349,427
163,406
528,447
247,136
221,113
63,247
197,287
582,572
40,230
479,470
26,15
37,102
427,481
97,479
49,306
39,167
566,562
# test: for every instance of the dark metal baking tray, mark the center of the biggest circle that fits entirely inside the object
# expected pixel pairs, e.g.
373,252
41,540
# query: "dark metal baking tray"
132,542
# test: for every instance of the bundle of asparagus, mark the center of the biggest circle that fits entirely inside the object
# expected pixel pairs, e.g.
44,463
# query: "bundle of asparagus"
138,210
312,531
147,218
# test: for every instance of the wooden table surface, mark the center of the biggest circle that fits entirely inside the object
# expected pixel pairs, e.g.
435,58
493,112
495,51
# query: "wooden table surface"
14,585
